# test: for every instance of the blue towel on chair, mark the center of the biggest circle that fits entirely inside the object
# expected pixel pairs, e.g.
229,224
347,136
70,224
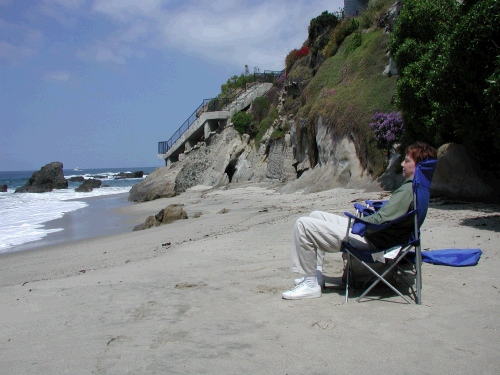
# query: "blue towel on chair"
452,257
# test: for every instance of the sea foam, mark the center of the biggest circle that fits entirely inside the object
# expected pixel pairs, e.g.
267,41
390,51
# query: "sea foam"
23,215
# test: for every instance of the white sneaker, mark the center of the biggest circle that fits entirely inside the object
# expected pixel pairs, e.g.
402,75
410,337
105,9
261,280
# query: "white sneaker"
299,280
319,276
302,291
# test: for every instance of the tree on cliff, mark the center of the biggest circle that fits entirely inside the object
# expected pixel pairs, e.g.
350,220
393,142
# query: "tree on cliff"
447,53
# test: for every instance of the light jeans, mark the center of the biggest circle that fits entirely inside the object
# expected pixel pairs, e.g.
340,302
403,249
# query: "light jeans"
316,234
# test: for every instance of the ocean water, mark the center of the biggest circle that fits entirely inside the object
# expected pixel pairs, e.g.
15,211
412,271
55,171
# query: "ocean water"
23,215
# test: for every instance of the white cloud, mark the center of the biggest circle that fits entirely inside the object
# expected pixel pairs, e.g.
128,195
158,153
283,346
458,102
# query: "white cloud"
102,53
12,53
237,32
128,11
18,42
66,12
60,76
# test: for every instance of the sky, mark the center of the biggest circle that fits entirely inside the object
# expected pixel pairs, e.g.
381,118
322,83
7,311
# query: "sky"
98,83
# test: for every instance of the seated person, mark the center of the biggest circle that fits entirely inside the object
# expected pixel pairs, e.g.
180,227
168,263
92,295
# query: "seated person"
324,232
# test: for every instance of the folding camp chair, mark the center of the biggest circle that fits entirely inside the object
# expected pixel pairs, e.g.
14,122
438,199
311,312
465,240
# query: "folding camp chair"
392,257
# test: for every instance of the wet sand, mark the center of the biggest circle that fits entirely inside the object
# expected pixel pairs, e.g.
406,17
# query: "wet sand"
203,295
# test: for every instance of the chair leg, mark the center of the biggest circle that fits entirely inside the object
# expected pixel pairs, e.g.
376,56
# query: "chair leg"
381,278
398,273
418,269
348,276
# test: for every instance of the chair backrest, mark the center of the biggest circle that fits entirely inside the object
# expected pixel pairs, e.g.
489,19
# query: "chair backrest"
422,186
421,195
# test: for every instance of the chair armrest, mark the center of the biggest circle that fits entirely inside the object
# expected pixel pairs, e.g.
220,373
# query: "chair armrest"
365,211
376,204
360,226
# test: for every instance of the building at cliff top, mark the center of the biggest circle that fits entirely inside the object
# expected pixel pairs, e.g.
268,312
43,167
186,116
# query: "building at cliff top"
352,7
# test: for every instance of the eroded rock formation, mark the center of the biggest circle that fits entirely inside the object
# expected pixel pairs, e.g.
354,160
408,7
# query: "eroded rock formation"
159,184
49,177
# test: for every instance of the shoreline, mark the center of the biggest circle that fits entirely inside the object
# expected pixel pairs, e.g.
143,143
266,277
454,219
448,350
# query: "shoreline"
203,295
101,217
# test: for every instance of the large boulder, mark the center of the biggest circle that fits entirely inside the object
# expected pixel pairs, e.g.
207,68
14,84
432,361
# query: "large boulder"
49,177
171,213
3,188
459,176
168,215
88,185
159,184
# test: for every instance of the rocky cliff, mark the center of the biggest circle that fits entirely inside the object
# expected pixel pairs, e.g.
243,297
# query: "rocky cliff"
228,157
321,138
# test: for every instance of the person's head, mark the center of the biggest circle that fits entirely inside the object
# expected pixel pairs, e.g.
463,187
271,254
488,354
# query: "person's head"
414,154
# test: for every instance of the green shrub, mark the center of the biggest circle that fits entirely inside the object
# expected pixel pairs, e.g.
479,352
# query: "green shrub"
320,23
265,124
235,82
337,36
319,31
445,96
278,133
345,92
290,60
260,108
375,9
242,122
357,39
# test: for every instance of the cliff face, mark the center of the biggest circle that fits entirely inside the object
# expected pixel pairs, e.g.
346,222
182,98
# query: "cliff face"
321,138
226,157
323,120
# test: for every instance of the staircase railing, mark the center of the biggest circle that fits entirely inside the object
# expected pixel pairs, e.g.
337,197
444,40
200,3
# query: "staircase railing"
270,76
218,104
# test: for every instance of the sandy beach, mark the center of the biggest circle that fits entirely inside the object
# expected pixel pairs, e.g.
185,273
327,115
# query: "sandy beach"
203,296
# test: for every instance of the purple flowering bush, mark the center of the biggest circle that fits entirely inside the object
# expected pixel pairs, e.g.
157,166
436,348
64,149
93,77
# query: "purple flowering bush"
388,128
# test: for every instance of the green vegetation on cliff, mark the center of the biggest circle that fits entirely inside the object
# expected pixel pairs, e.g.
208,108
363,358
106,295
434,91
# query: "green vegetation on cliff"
347,88
448,57
448,54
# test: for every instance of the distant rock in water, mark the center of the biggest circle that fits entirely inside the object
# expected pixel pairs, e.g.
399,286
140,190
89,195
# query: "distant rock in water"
122,175
76,179
3,188
49,177
88,185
